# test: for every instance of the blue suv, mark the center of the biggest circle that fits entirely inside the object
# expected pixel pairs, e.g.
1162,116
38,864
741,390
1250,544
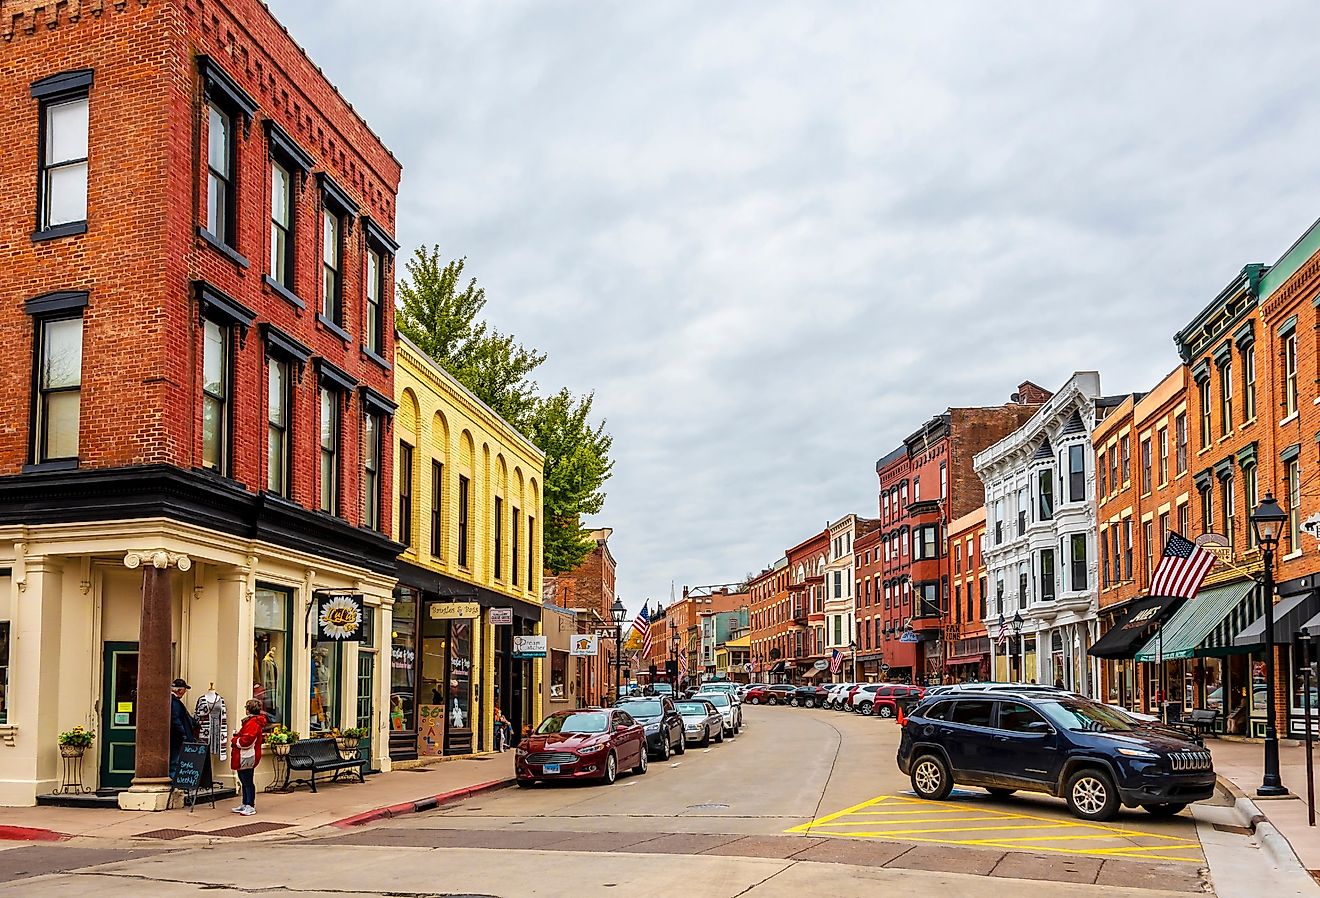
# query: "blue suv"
1093,756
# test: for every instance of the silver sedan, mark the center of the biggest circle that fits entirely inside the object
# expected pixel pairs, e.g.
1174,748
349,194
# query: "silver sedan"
702,721
730,710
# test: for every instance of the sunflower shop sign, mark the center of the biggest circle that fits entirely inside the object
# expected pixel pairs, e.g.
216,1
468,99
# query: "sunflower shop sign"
339,617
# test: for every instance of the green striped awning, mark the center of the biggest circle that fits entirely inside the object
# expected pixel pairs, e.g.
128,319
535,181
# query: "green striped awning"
1206,624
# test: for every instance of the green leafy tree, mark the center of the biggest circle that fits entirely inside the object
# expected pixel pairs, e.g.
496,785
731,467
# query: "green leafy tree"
439,313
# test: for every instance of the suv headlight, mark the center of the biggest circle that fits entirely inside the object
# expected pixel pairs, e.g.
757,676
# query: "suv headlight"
1138,753
652,728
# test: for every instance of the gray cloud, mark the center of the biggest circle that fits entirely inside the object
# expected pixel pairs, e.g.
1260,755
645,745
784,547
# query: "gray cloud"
776,237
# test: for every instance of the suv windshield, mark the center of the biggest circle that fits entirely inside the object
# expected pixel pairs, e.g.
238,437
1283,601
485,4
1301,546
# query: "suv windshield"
718,699
1084,716
574,723
644,709
692,709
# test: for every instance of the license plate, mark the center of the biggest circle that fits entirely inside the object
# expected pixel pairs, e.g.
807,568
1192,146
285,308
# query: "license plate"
550,768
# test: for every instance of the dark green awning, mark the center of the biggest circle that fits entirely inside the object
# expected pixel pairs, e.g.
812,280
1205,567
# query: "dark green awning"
1204,624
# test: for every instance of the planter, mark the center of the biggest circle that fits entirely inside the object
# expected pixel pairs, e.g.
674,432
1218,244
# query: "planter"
72,751
347,745
280,749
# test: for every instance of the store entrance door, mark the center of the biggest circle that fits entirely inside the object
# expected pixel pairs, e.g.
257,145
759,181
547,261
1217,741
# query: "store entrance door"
119,707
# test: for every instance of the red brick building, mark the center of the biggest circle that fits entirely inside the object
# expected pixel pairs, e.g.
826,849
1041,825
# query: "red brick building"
772,620
198,298
869,610
589,590
806,585
925,484
969,644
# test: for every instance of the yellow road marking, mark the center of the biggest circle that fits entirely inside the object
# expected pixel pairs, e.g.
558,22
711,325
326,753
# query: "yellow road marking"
1059,838
906,822
966,829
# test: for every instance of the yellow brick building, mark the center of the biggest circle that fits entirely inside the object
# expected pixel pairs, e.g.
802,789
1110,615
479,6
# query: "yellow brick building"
467,488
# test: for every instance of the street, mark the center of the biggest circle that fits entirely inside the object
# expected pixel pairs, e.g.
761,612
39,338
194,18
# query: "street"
801,802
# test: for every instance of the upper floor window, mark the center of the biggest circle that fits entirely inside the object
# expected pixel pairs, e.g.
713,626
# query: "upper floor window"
1180,440
1290,373
1207,509
216,368
514,525
499,537
1113,469
531,552
1078,555
1229,510
58,385
1226,398
1125,444
375,313
1103,473
278,404
437,508
1249,383
1249,494
925,545
220,144
916,489
405,462
332,264
329,450
63,150
944,480
1145,467
281,225
464,498
1164,455
1045,495
1293,481
1148,536
1076,473
1203,388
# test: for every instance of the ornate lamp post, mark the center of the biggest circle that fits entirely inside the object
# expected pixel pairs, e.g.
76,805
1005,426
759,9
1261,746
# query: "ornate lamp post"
1268,520
618,613
1017,639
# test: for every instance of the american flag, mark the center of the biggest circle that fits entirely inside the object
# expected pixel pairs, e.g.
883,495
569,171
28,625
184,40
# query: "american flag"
642,624
682,664
1182,568
836,661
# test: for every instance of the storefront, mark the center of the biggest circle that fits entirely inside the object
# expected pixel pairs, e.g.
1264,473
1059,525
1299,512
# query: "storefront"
1126,628
1297,607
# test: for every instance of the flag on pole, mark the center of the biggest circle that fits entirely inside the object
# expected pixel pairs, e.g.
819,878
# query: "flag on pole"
642,623
682,664
836,661
1003,633
1181,569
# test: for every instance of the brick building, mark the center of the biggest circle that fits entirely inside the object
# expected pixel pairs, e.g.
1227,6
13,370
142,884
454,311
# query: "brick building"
589,589
924,485
806,585
772,619
969,643
198,394
720,612
867,575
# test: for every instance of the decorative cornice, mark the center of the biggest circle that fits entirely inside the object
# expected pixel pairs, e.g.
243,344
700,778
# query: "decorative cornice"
26,17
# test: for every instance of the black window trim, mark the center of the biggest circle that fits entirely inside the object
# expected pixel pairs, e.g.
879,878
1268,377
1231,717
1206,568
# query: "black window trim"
284,148
62,84
378,403
48,91
278,342
222,308
218,87
376,234
337,197
335,378
58,306
50,305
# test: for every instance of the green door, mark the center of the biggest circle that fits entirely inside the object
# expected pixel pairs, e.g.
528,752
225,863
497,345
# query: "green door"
119,707
366,693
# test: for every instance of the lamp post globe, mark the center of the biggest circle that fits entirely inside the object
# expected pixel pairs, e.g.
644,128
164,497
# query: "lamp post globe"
1267,521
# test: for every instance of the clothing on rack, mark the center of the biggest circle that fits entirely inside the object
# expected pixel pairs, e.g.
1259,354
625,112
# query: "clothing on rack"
213,723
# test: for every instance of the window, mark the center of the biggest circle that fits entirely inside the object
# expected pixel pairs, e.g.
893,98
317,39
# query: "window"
1293,478
1127,547
332,263
437,506
1104,557
1148,532
1249,383
999,593
329,451
957,558
838,584
1184,515
499,537
916,489
281,225
1022,503
271,657
1125,462
1045,494
514,524
277,425
59,389
1226,398
1164,529
1290,373
977,713
1103,474
327,660
944,480
838,629
463,490
1180,440
1076,474
62,165
1018,718
1207,509
981,591
1229,512
1164,455
1113,470
375,324
1249,493
884,507
1203,388
1078,574
558,675
1022,586
219,177
1116,556
216,364
925,544
1145,467
531,552
405,494
903,541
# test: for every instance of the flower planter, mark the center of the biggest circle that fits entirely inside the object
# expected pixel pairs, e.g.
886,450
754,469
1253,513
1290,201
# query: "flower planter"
280,749
347,745
72,751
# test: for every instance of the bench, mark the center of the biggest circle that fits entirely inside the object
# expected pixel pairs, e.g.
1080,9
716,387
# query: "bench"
1202,719
322,756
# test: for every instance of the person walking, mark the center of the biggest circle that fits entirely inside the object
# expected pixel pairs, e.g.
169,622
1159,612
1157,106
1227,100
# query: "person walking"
503,731
183,728
246,754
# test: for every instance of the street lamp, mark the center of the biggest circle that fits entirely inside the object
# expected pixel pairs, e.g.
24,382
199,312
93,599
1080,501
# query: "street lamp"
1267,521
618,612
852,647
1017,638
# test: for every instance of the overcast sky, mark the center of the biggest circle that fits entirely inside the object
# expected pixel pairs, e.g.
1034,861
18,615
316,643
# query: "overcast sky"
776,237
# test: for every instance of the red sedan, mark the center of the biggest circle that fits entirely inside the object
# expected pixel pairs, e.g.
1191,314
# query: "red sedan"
593,743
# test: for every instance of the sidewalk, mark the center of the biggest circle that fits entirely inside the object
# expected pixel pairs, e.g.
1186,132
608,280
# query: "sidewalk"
342,803
1242,762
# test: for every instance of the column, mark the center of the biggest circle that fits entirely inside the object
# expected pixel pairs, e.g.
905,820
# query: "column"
35,681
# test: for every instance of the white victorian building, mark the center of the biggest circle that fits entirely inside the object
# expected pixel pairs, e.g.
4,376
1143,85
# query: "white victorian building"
839,605
1040,541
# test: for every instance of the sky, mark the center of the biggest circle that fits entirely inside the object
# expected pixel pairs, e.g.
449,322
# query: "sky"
774,238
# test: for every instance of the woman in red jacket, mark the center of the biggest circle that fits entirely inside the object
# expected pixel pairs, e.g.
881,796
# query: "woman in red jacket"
245,754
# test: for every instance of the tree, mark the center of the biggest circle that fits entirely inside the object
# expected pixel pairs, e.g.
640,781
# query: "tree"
441,318
440,315
577,464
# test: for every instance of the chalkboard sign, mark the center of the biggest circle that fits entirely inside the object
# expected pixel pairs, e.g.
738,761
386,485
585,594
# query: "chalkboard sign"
193,772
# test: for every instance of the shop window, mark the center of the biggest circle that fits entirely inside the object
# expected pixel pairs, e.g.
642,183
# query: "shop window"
558,674
403,662
327,663
4,671
272,651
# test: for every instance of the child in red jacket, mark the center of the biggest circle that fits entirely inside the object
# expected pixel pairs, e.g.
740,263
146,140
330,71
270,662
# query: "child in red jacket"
245,754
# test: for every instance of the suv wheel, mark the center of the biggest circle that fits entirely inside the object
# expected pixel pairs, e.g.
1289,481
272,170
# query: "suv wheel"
866,708
1163,810
664,749
771,701
885,711
794,702
755,700
682,744
1091,795
930,778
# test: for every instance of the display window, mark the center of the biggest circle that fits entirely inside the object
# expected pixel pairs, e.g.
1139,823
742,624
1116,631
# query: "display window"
271,643
327,660
403,663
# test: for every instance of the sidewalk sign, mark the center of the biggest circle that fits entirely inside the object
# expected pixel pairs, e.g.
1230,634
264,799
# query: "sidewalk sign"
193,773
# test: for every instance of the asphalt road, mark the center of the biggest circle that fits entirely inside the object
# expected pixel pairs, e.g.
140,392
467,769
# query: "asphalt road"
802,802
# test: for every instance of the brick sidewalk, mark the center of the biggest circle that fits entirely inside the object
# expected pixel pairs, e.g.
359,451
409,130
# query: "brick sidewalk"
1242,763
343,803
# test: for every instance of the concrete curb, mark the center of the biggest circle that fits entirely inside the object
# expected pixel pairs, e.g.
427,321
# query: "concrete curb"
31,834
427,803
1276,845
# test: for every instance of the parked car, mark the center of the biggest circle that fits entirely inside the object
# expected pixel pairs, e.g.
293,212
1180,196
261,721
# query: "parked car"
589,744
1059,744
702,721
837,694
730,711
663,724
733,690
778,694
809,696
658,689
860,698
889,698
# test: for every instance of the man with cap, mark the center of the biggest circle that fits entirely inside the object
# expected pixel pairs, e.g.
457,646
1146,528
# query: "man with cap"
182,726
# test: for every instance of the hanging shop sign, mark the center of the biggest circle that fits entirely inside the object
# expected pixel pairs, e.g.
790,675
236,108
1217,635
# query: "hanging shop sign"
501,617
339,617
583,646
529,646
453,610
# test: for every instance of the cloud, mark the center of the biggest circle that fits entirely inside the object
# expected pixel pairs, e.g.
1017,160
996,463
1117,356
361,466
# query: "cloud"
776,237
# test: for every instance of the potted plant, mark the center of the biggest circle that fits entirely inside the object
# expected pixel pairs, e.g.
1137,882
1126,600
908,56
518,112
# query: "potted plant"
346,740
75,741
280,738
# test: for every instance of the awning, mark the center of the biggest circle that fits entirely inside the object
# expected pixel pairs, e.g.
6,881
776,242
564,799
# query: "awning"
778,668
1290,615
1139,620
1204,625
967,659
